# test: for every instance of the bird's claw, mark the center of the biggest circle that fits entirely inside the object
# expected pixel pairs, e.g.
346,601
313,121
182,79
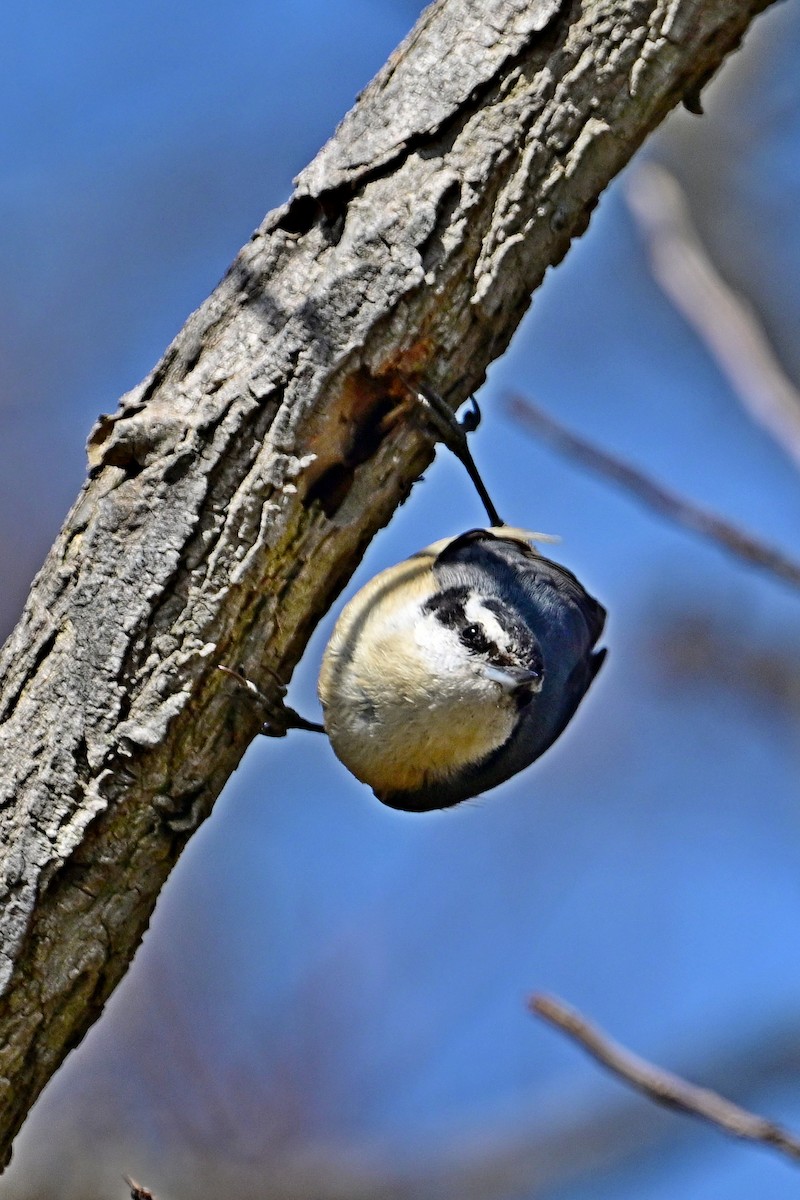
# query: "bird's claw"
449,430
452,433
278,717
471,420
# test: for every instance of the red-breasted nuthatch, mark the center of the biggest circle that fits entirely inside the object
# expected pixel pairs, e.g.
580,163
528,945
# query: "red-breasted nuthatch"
452,671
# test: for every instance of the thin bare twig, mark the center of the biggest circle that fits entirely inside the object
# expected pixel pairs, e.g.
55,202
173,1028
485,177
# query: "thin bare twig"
138,1192
691,516
661,1086
725,323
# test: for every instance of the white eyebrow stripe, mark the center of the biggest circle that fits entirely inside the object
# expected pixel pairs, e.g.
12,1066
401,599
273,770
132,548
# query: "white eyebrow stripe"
477,614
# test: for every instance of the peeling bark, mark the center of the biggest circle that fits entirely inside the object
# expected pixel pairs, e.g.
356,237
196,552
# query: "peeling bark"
232,493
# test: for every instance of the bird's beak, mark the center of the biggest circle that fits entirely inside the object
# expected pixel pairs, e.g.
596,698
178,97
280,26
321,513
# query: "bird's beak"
514,679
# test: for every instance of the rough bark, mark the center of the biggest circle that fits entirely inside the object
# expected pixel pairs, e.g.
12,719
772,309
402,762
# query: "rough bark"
231,494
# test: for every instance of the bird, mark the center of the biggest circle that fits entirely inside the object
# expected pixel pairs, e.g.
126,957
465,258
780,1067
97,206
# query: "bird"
451,672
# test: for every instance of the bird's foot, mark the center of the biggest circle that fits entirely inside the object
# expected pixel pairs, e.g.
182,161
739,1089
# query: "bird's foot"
453,433
279,718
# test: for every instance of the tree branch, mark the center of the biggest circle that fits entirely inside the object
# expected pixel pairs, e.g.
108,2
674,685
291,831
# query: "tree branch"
661,1086
723,320
725,534
232,493
137,1190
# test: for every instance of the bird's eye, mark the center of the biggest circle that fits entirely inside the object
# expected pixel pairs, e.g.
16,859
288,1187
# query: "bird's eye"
474,638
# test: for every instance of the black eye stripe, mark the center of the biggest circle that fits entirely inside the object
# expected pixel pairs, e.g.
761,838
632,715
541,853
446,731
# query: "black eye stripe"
473,636
448,606
449,609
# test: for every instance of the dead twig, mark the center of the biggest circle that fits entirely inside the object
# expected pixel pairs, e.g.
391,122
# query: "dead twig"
137,1191
661,1086
691,516
725,323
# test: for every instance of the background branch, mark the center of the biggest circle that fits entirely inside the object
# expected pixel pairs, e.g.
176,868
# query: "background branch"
138,1191
234,490
726,324
661,1086
723,533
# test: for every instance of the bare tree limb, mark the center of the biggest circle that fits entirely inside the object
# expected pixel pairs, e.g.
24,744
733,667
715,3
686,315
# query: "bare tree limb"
138,1191
661,1086
232,493
723,533
725,323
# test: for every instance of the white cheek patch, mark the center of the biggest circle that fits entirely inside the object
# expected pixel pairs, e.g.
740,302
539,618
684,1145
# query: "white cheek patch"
441,649
477,614
422,649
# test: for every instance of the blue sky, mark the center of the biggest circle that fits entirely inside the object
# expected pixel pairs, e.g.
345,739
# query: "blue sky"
324,976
